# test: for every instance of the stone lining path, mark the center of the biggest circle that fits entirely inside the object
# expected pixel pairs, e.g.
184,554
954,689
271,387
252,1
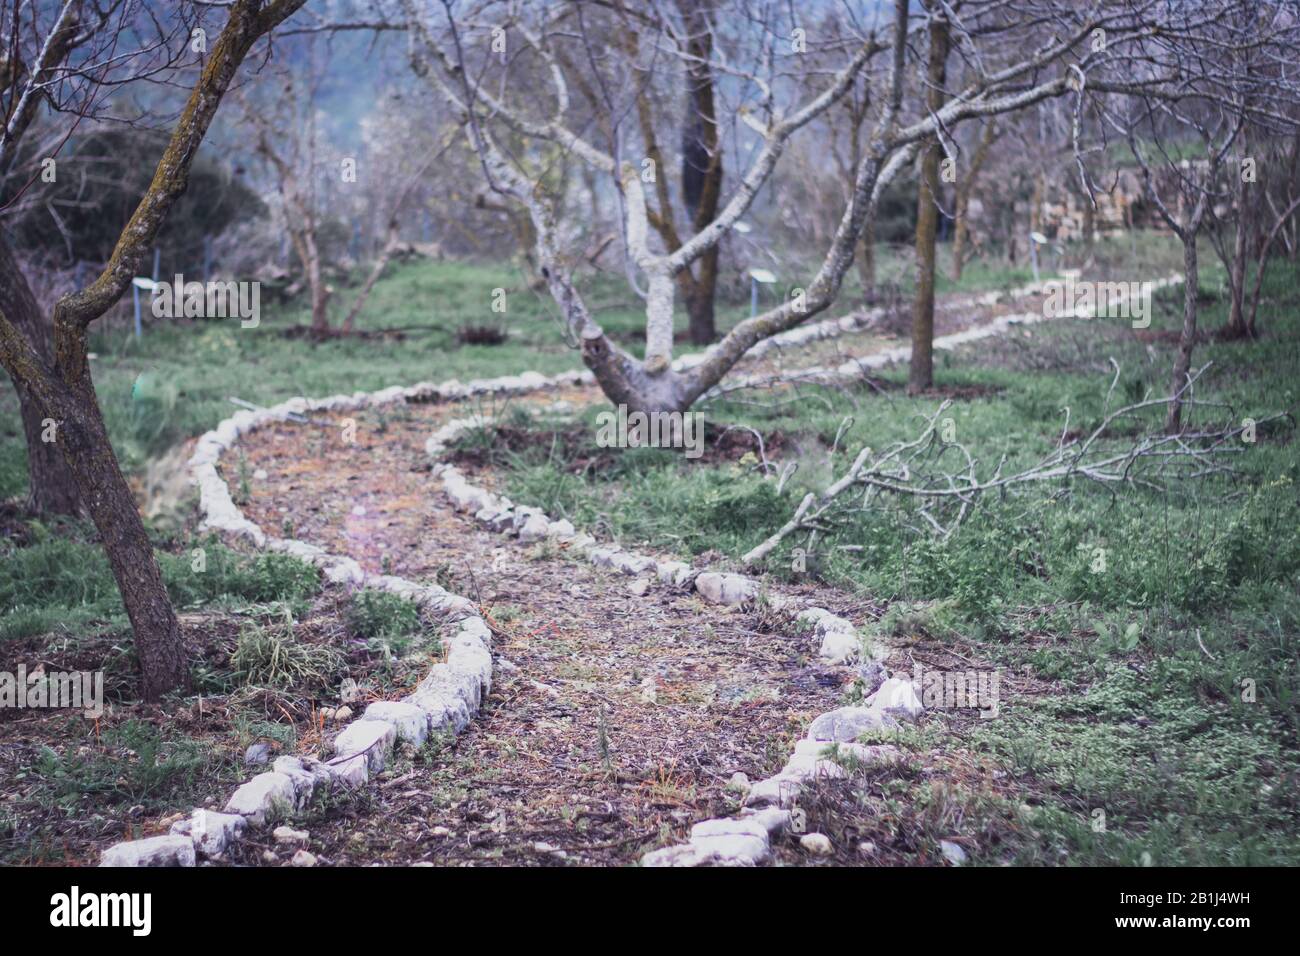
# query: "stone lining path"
635,709
624,709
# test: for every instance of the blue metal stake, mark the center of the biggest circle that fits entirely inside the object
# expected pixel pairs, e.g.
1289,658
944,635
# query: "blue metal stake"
135,294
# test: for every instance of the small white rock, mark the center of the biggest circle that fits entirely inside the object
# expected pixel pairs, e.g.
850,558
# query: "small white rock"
290,837
303,858
816,843
953,853
726,588
168,850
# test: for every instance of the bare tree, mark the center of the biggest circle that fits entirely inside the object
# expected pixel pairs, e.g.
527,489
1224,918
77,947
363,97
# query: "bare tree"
1020,57
1182,130
62,388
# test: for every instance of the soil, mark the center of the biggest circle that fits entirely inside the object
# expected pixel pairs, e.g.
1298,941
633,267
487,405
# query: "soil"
624,714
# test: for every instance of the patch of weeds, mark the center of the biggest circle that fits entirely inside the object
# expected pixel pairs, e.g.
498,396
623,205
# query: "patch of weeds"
209,571
271,655
381,614
250,729
135,762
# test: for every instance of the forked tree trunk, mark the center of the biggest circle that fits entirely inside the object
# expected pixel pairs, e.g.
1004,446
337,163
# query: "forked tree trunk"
921,371
50,486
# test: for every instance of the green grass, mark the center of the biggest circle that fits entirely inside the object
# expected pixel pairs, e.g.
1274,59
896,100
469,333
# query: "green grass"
1172,673
1170,677
63,584
176,381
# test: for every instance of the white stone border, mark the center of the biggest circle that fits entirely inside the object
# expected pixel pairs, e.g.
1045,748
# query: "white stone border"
744,840
452,692
444,701
857,368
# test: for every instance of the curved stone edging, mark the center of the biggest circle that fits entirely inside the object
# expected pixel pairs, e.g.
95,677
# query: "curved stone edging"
444,701
744,840
452,692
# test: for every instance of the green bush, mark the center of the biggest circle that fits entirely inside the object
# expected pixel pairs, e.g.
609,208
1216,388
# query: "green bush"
379,614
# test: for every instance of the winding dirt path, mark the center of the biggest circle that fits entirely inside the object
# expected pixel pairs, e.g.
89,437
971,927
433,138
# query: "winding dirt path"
619,716
621,707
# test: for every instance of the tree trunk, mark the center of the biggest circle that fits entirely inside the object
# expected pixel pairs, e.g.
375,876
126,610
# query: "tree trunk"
961,210
112,507
699,302
50,485
701,163
320,295
866,260
67,395
921,373
1187,340
1237,268
959,230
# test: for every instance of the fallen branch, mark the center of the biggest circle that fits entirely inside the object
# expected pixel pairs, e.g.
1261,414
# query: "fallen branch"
947,497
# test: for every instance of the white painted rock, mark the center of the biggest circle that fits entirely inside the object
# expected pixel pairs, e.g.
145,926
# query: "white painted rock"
562,530
499,520
350,772
897,698
809,617
669,570
267,793
848,723
953,853
772,819
726,588
303,858
168,850
734,849
534,528
373,738
839,647
408,721
632,563
778,791
816,843
211,832
306,778
288,836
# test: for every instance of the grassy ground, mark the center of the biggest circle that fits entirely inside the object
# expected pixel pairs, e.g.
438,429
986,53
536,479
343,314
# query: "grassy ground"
176,381
1148,701
269,645
1123,689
